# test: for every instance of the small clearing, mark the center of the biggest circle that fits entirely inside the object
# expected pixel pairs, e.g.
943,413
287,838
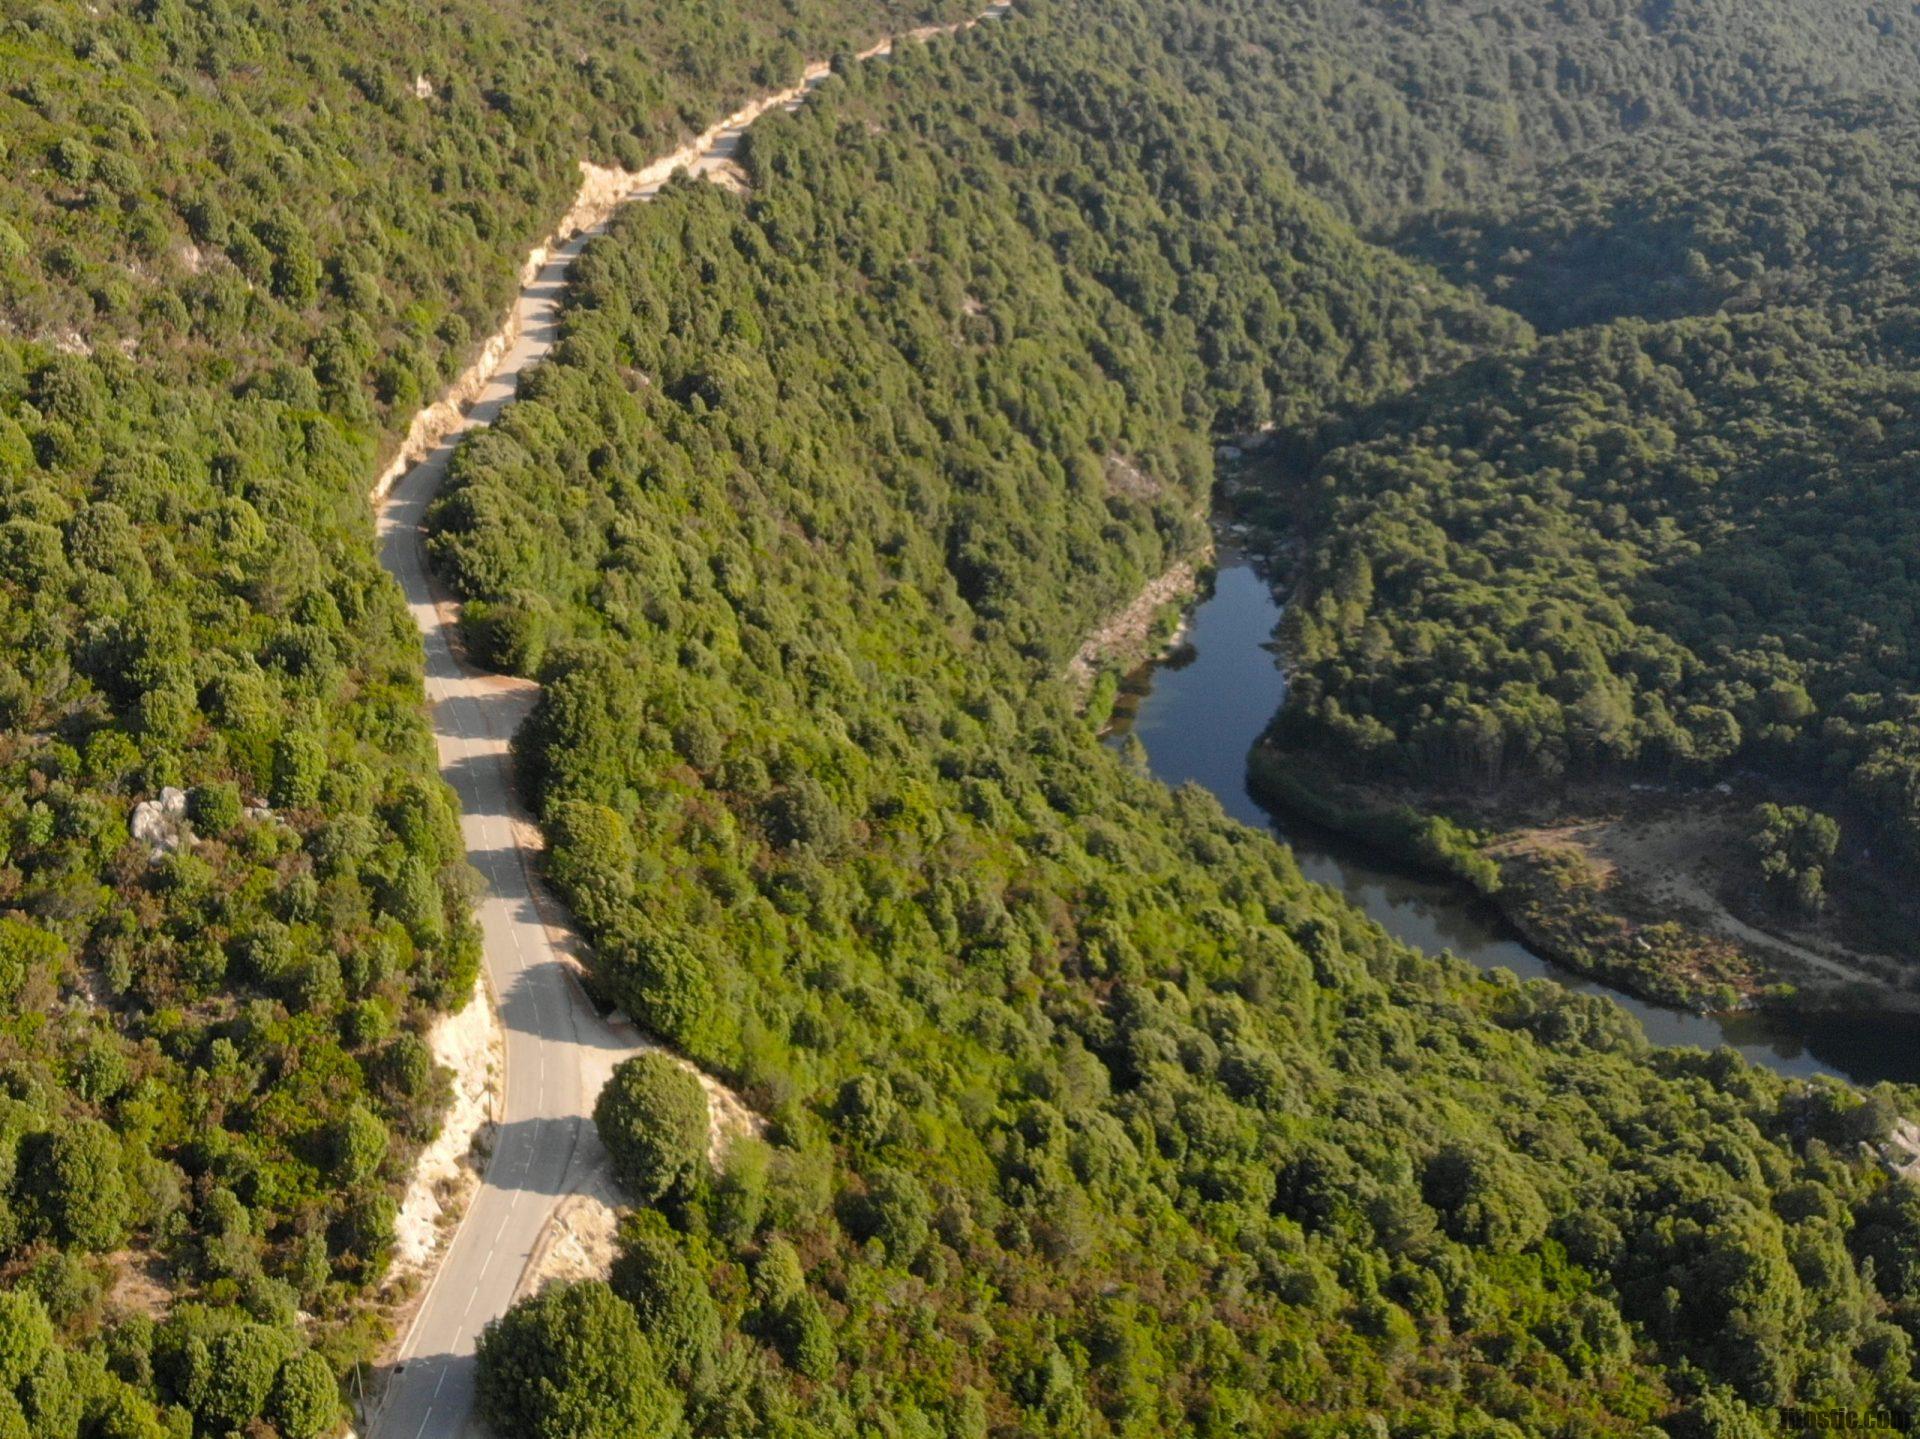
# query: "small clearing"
1680,858
579,1242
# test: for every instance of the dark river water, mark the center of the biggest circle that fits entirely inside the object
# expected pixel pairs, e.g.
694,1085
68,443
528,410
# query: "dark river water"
1202,711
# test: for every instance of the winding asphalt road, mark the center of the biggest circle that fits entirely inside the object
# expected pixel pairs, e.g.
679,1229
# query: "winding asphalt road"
555,1041
559,1050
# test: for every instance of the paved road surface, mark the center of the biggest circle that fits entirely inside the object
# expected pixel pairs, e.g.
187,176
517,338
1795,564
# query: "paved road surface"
558,1050
555,1042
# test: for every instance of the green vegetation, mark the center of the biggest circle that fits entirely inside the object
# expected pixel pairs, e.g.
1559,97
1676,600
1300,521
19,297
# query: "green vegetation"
1792,845
573,1364
653,1117
1393,109
324,211
1087,1114
1805,206
1428,842
1666,547
240,246
1666,543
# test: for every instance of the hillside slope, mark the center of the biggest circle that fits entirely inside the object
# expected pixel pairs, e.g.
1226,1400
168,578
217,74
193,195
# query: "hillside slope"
1391,108
825,487
1089,1115
237,250
1667,547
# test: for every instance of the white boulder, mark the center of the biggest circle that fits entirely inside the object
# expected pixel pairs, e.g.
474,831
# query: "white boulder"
161,824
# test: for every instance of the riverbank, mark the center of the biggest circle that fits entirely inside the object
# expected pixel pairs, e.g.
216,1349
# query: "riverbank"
1199,715
1628,888
1645,885
1147,629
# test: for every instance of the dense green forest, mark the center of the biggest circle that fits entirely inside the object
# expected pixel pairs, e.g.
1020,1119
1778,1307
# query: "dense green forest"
1391,108
1674,544
1671,541
324,204
238,245
1810,206
1088,1114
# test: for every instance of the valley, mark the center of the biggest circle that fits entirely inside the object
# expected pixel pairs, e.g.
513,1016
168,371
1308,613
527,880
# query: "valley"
585,851
1200,714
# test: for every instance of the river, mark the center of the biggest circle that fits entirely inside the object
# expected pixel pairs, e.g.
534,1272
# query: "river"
1198,713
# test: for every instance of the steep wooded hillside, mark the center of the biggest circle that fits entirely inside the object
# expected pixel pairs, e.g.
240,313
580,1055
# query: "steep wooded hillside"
1088,1115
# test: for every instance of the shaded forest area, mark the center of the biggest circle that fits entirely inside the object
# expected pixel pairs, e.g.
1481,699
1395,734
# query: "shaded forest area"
1671,542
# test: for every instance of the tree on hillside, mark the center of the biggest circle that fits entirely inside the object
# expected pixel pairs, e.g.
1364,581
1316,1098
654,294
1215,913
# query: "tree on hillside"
71,1175
669,1296
1793,846
653,1117
571,1363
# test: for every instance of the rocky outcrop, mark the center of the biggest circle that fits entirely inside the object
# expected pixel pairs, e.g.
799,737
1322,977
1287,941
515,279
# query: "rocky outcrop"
1125,636
161,824
467,1045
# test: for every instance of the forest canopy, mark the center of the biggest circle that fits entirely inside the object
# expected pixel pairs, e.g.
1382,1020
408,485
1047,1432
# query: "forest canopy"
1672,539
239,246
1086,1113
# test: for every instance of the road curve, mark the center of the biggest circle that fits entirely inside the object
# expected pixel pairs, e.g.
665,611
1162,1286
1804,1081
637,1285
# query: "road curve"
559,1050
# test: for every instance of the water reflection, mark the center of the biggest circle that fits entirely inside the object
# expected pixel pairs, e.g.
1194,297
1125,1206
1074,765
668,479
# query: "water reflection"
1198,714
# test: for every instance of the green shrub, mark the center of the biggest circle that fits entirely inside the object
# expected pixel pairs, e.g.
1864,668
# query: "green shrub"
572,1363
652,1116
215,809
70,1175
670,1299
